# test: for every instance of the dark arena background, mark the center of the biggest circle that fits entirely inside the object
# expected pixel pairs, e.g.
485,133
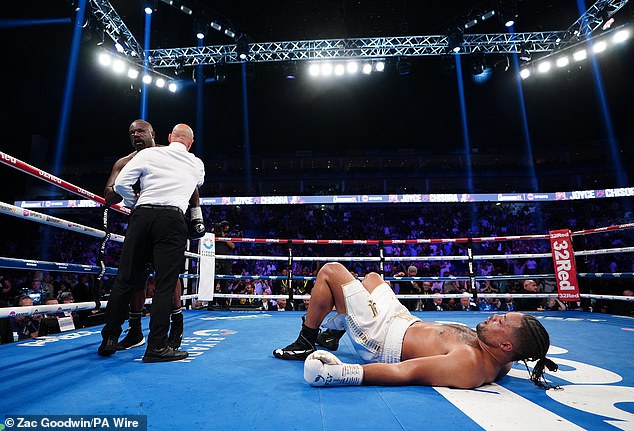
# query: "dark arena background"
459,138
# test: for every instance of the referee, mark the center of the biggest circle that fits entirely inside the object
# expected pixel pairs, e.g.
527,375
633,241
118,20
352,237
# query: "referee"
157,233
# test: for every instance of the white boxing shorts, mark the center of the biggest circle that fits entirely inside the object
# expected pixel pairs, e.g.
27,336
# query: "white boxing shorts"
376,323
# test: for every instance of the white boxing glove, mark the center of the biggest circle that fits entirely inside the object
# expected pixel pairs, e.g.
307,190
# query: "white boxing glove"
322,368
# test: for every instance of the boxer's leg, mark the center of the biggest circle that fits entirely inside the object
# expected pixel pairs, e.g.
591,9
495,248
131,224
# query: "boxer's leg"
176,329
134,337
325,294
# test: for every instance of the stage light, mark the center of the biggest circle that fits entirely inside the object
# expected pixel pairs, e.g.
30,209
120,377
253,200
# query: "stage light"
290,70
562,61
105,59
600,46
200,26
508,15
118,66
186,10
488,15
455,38
147,79
230,33
160,82
313,69
326,69
621,36
379,66
133,73
180,67
543,66
471,23
605,19
478,66
352,67
525,73
149,6
215,26
119,46
339,69
172,87
403,67
242,47
525,54
582,54
367,68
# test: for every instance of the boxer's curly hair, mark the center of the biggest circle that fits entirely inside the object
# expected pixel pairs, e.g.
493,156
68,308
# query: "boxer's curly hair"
531,343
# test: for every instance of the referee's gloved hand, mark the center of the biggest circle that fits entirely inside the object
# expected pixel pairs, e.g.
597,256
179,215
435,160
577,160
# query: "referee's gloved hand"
196,223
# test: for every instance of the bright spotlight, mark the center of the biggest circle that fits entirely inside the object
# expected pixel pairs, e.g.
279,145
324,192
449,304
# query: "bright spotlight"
379,66
621,36
118,66
543,67
172,87
200,35
148,10
133,73
562,61
580,55
367,69
525,73
352,67
147,79
105,59
313,69
160,82
339,69
326,69
599,46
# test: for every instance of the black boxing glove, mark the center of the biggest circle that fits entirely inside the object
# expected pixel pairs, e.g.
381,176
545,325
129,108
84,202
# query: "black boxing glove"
196,223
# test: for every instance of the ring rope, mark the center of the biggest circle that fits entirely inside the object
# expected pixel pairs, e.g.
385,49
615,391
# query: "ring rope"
52,179
61,308
75,306
63,224
35,265
418,241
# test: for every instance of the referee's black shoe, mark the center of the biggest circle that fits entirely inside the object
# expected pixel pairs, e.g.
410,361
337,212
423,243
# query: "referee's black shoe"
108,346
164,354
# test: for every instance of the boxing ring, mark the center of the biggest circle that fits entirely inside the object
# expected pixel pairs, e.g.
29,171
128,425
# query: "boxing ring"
232,381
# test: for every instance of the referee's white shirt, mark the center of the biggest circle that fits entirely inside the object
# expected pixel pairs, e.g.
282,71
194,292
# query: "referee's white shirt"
168,176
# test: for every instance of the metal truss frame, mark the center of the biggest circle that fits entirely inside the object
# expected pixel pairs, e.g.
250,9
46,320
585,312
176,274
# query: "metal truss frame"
357,48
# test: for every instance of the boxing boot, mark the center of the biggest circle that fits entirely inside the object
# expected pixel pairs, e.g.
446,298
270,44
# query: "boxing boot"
300,348
134,336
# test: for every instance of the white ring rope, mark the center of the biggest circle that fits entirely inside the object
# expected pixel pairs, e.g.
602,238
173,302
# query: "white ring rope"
63,224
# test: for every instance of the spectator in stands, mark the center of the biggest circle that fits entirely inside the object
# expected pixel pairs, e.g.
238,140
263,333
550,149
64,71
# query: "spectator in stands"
508,304
553,304
281,305
409,288
8,294
466,304
529,304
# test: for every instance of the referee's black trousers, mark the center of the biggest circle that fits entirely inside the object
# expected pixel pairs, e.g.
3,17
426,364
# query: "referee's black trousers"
159,236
